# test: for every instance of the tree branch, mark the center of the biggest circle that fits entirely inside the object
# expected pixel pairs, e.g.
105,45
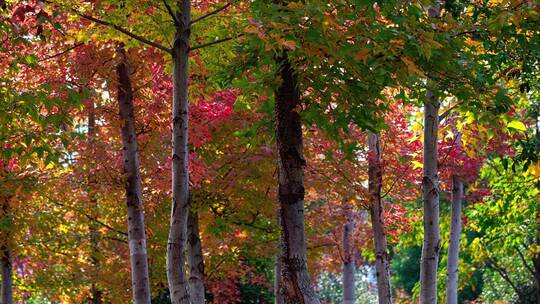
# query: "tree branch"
447,112
200,46
63,52
201,18
525,262
116,27
124,31
170,11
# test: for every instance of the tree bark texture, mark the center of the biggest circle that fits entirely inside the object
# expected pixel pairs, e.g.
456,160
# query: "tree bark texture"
195,259
278,296
294,283
95,291
136,231
176,269
453,248
430,187
6,256
382,263
348,257
536,257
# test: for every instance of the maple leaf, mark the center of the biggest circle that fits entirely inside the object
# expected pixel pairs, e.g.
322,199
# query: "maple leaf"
411,66
362,55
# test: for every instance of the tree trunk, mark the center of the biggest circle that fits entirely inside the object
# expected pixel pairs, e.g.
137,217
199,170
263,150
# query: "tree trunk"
295,283
5,259
277,274
95,291
536,256
453,247
430,186
382,263
348,257
136,232
176,269
7,280
195,259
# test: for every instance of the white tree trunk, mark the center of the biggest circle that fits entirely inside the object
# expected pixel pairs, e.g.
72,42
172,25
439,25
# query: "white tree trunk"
348,257
195,259
453,247
176,268
430,186
294,282
382,263
136,232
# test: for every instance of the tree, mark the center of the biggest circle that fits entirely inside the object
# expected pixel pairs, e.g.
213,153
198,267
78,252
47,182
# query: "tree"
452,267
295,283
382,263
134,199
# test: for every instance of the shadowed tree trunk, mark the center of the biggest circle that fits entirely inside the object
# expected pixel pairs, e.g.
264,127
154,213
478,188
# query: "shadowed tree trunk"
195,259
136,232
430,187
5,258
277,294
382,263
176,269
453,247
536,256
348,257
295,284
95,291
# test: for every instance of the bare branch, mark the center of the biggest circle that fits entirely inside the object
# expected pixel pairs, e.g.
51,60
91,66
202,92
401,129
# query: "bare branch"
63,52
200,46
116,27
522,257
124,31
170,11
447,112
210,13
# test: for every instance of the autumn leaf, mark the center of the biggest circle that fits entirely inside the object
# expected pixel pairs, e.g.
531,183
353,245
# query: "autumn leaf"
289,44
411,66
517,125
362,55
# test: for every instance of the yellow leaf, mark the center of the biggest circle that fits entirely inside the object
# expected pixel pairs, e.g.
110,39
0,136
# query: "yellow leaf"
411,66
295,5
473,43
518,125
534,170
417,165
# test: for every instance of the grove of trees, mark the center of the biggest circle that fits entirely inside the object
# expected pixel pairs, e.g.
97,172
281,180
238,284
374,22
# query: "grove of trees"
269,151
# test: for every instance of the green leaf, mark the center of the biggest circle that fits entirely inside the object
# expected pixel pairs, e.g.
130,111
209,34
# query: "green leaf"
518,125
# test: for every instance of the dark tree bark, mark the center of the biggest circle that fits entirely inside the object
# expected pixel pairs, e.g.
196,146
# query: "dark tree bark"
136,231
536,257
6,256
176,270
294,283
195,259
382,263
277,274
